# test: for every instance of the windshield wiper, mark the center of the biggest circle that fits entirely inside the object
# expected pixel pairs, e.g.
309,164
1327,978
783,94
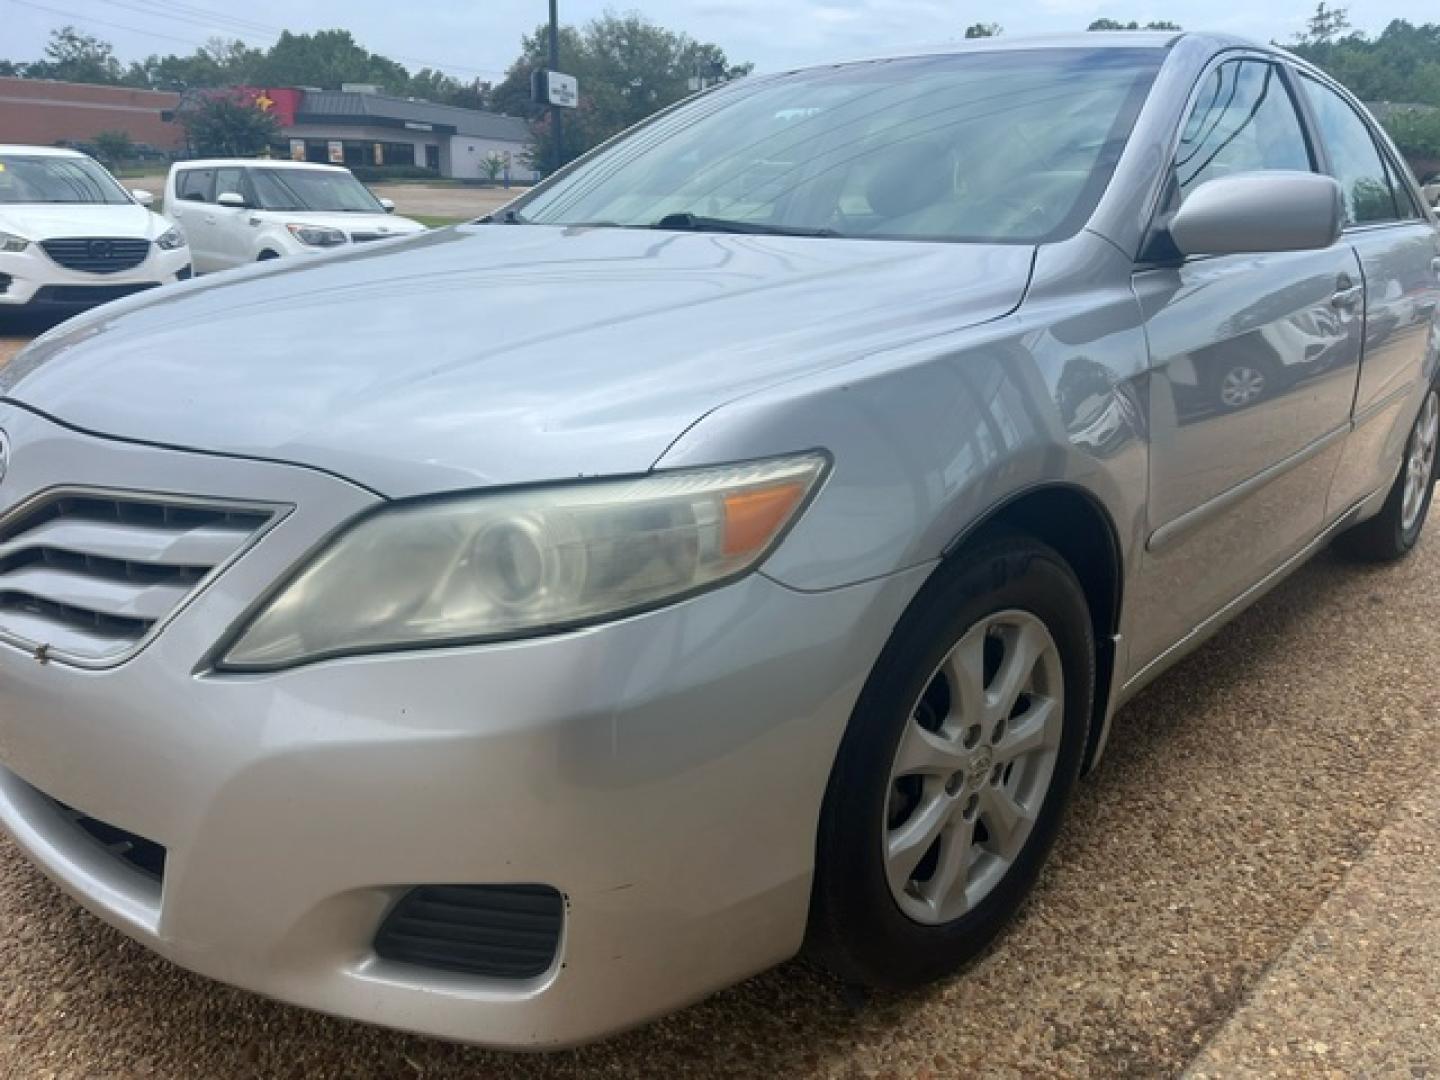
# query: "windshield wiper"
688,222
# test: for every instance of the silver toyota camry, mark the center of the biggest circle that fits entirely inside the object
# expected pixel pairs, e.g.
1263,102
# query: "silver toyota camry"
739,544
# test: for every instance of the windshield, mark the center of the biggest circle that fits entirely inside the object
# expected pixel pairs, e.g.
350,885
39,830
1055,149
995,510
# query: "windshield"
1003,146
41,178
313,189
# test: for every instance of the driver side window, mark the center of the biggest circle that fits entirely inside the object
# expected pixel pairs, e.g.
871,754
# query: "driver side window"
1244,120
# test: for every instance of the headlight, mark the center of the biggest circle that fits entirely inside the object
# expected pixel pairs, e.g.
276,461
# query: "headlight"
317,235
171,239
482,567
10,243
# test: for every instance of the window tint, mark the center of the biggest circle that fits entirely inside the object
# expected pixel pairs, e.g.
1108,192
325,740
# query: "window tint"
1354,159
194,184
1243,121
229,181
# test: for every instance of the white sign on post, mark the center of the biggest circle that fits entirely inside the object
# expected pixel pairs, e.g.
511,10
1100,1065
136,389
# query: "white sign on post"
564,90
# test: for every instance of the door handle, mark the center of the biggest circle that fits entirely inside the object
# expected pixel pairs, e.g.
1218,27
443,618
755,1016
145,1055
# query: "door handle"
1347,298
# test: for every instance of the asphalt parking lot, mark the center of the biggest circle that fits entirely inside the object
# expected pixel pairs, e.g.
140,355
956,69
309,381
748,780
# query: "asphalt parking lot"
1236,879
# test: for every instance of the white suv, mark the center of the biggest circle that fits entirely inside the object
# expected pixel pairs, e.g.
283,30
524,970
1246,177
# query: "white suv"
72,237
241,211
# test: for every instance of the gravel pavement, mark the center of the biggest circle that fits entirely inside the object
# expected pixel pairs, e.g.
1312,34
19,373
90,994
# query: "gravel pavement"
1195,876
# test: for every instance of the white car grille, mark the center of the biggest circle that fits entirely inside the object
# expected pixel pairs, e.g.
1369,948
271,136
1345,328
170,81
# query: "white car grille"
88,576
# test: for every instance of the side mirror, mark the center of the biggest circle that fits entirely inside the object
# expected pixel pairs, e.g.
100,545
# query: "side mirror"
231,199
144,198
1259,212
388,205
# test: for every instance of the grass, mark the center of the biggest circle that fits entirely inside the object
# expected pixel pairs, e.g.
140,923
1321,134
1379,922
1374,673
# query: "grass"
434,221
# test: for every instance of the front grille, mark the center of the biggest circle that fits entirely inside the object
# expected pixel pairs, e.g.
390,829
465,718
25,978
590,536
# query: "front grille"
87,576
85,294
494,931
134,851
366,237
97,254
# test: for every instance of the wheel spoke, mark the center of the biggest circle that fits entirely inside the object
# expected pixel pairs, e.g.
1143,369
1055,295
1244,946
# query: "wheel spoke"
925,753
964,671
906,846
1037,728
1023,647
945,891
1006,821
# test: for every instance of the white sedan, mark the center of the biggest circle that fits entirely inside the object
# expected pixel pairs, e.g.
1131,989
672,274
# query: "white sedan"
240,211
71,237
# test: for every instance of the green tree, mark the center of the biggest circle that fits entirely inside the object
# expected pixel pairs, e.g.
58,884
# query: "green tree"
1111,24
983,30
73,56
327,58
221,124
493,165
114,147
628,68
219,62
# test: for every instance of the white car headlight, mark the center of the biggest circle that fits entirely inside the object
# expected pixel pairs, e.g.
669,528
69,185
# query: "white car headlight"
481,567
171,239
12,244
317,235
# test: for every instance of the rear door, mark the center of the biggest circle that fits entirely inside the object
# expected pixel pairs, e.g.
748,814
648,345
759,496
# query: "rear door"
194,188
1399,251
1253,371
232,228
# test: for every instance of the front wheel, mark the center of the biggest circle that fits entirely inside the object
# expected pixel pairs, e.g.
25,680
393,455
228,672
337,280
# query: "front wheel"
952,777
1390,534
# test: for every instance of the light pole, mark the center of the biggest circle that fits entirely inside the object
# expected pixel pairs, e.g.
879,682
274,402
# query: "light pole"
556,135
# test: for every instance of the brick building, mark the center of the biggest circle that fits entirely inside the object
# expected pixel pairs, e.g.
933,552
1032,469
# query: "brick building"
43,113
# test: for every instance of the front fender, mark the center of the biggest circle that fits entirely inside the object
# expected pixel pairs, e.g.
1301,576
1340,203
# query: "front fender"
928,443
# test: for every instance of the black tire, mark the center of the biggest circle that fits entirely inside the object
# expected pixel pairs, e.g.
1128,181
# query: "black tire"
267,255
1386,537
857,927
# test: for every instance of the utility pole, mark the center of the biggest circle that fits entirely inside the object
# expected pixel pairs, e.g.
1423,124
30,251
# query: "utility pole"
556,134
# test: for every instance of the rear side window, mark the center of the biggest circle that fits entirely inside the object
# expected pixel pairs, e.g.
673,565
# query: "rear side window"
231,182
1243,120
1355,160
193,185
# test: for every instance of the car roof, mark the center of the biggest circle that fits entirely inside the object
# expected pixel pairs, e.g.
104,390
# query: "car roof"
1085,39
266,163
40,151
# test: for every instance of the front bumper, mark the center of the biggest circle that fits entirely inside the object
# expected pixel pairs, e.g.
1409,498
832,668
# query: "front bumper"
664,772
30,279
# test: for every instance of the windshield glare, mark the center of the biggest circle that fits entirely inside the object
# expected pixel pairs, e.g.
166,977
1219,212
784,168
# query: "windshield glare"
1008,147
35,178
313,189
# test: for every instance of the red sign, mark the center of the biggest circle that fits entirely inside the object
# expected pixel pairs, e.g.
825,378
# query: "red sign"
280,102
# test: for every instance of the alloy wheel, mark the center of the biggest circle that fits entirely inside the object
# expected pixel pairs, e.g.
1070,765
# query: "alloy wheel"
1420,462
973,767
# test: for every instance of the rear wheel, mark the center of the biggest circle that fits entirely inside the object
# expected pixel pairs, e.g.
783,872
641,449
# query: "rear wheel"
955,770
1390,534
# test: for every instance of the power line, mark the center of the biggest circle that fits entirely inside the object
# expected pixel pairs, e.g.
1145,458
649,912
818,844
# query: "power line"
185,17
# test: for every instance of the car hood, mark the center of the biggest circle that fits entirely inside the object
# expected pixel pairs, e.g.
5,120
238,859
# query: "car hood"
347,223
492,354
54,221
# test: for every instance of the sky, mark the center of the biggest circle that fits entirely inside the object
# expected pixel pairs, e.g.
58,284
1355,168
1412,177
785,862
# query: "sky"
479,39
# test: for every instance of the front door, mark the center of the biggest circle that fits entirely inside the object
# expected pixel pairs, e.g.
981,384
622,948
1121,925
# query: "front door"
1254,362
1399,252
